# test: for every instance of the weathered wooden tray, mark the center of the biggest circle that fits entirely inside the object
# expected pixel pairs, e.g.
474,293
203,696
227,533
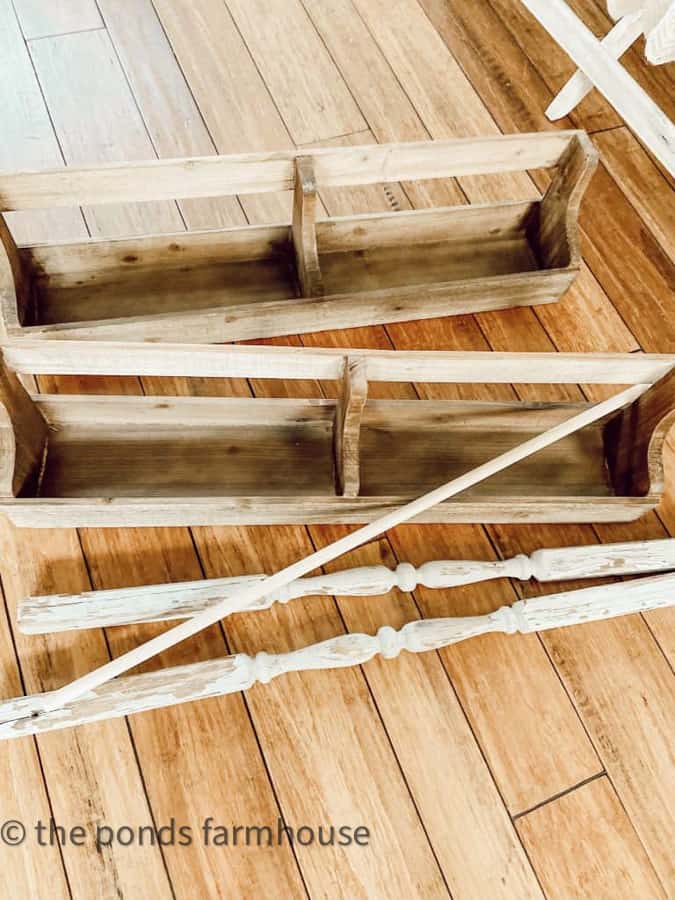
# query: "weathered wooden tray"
82,460
254,282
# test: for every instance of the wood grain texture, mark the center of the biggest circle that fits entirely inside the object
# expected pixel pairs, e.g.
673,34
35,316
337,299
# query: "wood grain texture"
608,689
97,451
98,759
23,789
596,848
292,78
641,182
347,428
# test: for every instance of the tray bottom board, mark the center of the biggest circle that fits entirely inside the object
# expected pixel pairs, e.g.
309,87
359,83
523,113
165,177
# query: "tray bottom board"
146,292
296,460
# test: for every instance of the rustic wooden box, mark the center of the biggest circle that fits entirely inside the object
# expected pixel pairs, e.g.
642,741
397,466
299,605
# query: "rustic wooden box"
82,460
256,282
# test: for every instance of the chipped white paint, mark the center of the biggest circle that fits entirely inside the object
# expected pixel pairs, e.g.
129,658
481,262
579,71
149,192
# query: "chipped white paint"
137,693
162,602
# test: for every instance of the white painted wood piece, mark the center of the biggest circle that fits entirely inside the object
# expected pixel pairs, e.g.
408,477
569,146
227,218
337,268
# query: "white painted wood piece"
144,652
619,8
164,602
622,36
640,112
660,45
239,672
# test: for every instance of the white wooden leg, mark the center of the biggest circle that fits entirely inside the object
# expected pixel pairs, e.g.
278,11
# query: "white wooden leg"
645,118
624,34
660,47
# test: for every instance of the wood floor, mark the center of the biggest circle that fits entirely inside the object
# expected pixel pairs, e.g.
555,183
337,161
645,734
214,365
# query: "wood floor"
505,767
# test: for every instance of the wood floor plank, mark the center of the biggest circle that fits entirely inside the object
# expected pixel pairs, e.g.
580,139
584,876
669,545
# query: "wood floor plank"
28,139
390,114
64,65
622,687
305,84
433,80
629,263
240,114
595,852
641,182
24,872
170,743
39,19
168,108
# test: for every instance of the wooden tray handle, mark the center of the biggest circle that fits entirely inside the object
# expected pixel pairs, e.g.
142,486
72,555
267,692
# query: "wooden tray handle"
634,440
23,437
558,221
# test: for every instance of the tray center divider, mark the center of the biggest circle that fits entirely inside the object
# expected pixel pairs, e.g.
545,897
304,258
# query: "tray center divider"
347,427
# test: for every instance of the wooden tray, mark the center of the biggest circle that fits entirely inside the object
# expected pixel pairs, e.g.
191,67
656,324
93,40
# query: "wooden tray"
82,460
255,282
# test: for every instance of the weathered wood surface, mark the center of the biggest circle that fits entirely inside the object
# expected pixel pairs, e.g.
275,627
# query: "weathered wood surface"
162,602
267,172
138,693
247,282
100,466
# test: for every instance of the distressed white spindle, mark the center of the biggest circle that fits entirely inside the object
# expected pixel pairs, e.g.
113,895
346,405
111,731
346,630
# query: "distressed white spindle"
162,602
181,684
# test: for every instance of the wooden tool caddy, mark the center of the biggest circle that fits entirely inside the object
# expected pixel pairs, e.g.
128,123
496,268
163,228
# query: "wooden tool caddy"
83,460
261,281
